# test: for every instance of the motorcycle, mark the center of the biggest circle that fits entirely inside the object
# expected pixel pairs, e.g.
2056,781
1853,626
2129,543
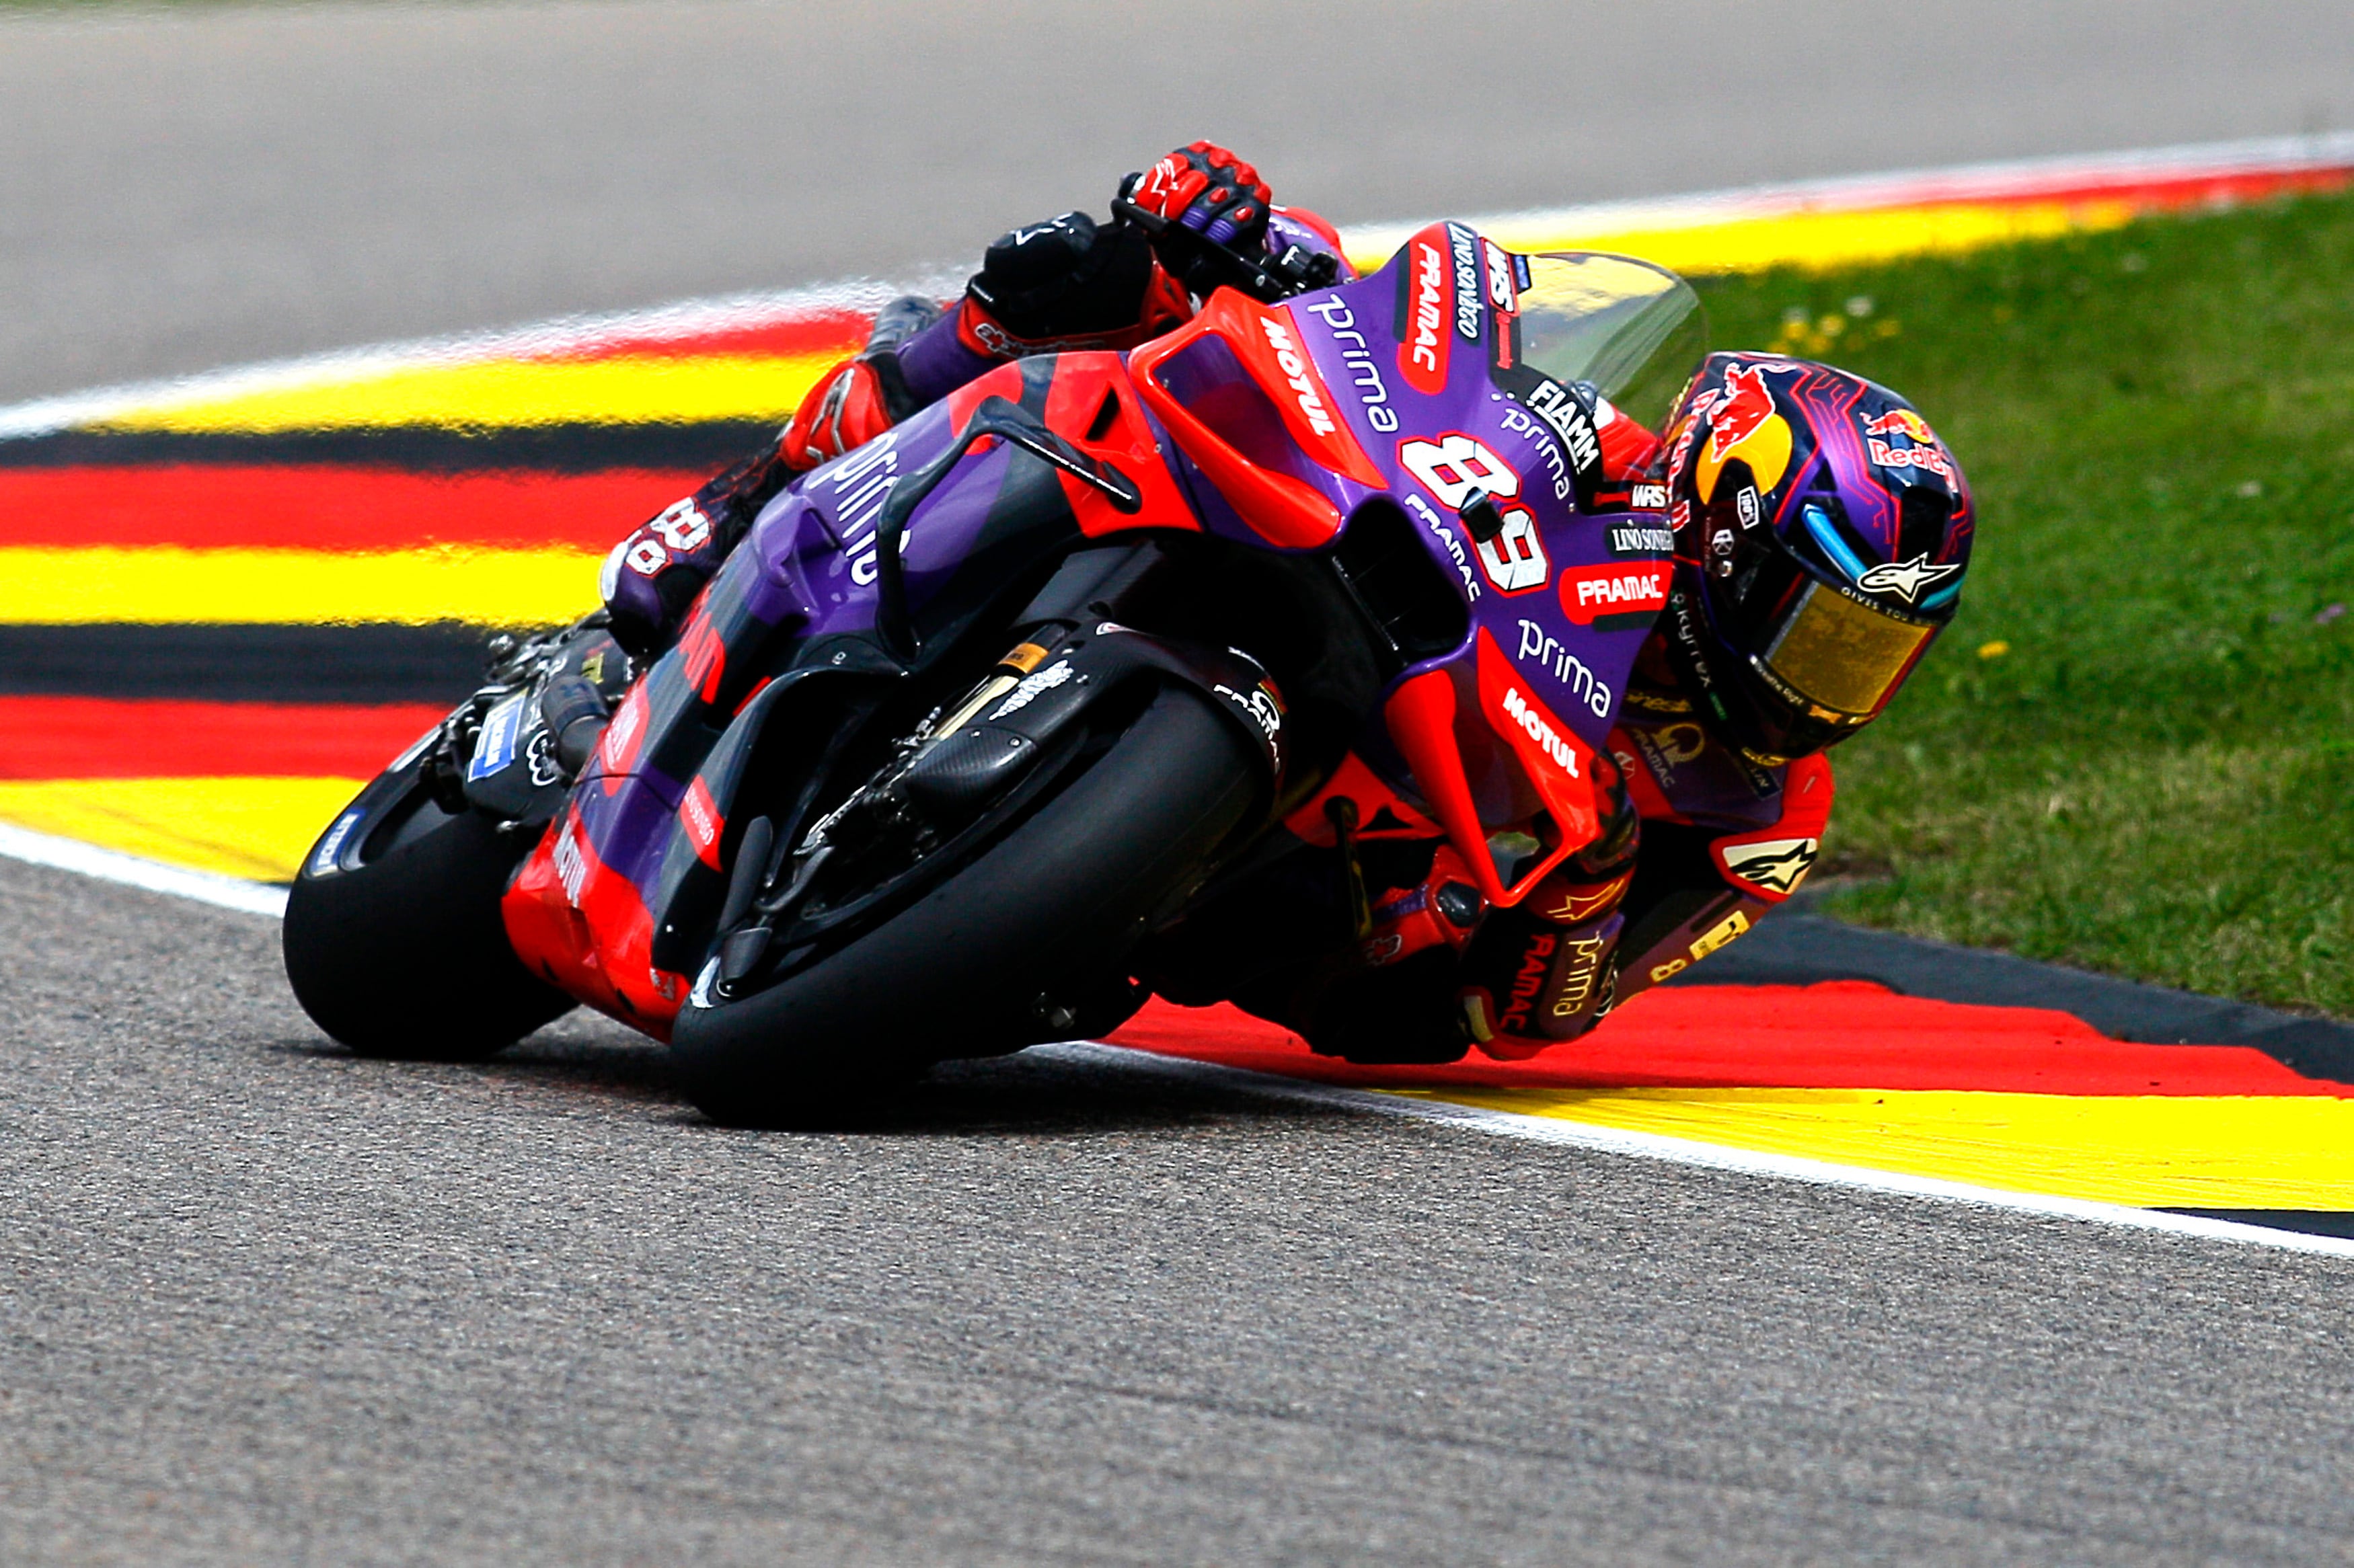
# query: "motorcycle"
987,720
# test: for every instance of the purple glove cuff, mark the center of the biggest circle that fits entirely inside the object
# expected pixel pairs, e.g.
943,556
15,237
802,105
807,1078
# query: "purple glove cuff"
936,361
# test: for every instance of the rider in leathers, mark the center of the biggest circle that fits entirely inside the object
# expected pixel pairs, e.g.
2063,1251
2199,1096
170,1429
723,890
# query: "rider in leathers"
1717,787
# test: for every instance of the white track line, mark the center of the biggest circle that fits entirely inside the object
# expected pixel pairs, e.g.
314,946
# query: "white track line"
1852,193
2023,179
1688,1151
260,898
684,318
1983,180
131,871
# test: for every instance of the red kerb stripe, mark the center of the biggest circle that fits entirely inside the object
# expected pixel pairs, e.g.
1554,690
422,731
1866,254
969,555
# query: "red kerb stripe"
1842,1035
91,737
199,506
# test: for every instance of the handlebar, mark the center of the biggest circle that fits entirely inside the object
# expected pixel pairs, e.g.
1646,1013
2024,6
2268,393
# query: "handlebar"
1275,279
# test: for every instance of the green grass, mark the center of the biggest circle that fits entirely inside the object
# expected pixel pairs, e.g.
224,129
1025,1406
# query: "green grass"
2157,777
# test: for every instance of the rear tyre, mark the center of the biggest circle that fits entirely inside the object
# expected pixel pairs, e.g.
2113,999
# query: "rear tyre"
405,956
1026,944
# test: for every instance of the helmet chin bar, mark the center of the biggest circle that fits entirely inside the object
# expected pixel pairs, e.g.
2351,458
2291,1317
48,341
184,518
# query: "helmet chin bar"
1756,710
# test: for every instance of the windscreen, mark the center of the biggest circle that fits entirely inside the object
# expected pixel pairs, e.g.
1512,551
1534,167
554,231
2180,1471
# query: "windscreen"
1634,329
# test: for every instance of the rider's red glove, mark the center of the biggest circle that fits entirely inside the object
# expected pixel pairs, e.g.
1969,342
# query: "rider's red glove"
851,405
1208,190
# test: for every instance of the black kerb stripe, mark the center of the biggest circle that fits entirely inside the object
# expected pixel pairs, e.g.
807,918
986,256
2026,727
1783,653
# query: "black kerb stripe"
369,663
555,449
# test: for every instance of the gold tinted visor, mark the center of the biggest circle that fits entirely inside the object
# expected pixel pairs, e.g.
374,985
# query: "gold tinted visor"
1843,655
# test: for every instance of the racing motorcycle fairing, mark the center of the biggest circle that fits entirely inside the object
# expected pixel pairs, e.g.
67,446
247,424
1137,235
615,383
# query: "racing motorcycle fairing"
1394,478
1464,373
1251,413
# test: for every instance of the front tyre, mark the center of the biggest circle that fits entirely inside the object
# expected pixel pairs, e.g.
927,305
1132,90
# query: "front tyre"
401,952
1025,943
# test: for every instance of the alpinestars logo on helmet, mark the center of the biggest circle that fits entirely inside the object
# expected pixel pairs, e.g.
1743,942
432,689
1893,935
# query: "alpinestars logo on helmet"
1906,580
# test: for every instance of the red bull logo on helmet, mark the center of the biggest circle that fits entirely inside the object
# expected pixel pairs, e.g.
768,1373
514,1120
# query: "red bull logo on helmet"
1901,422
1742,424
1924,449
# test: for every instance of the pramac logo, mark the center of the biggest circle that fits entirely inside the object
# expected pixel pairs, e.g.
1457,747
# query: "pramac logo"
1612,597
1425,311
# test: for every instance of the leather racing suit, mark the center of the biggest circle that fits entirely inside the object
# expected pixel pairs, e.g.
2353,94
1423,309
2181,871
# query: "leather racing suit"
1699,841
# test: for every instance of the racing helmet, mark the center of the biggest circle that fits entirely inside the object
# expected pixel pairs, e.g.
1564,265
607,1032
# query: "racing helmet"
1822,532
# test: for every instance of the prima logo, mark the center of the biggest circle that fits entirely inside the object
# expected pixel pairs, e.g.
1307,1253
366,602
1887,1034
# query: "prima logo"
862,484
1364,375
1551,654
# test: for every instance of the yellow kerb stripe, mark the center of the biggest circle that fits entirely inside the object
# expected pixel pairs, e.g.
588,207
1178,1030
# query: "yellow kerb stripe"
506,393
1814,239
167,584
254,828
2151,1152
656,389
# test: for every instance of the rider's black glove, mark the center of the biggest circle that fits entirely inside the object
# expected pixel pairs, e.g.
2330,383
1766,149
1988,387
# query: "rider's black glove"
1065,278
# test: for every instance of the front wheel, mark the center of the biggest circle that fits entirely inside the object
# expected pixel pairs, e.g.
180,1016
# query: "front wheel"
1025,943
399,951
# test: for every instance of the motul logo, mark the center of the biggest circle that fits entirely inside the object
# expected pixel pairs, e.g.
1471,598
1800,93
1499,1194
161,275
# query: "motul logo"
571,864
1294,366
1533,725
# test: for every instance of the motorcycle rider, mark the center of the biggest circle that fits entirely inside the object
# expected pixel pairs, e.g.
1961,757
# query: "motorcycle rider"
1820,532
1065,284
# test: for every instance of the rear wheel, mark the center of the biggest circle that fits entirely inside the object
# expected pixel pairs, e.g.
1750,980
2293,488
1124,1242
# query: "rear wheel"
404,954
1024,942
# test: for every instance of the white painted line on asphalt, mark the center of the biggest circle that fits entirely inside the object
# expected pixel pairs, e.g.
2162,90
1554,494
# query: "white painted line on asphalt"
131,871
261,899
687,318
2021,178
1688,1151
683,319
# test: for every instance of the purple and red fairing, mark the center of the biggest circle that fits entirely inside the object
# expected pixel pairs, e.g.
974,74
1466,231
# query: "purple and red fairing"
1445,389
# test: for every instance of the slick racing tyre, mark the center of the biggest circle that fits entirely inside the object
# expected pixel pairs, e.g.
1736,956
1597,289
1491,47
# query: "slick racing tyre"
1022,944
399,950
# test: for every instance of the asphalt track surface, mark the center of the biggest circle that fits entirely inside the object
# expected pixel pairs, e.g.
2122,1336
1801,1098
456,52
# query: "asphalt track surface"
268,1303
213,184
264,1302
